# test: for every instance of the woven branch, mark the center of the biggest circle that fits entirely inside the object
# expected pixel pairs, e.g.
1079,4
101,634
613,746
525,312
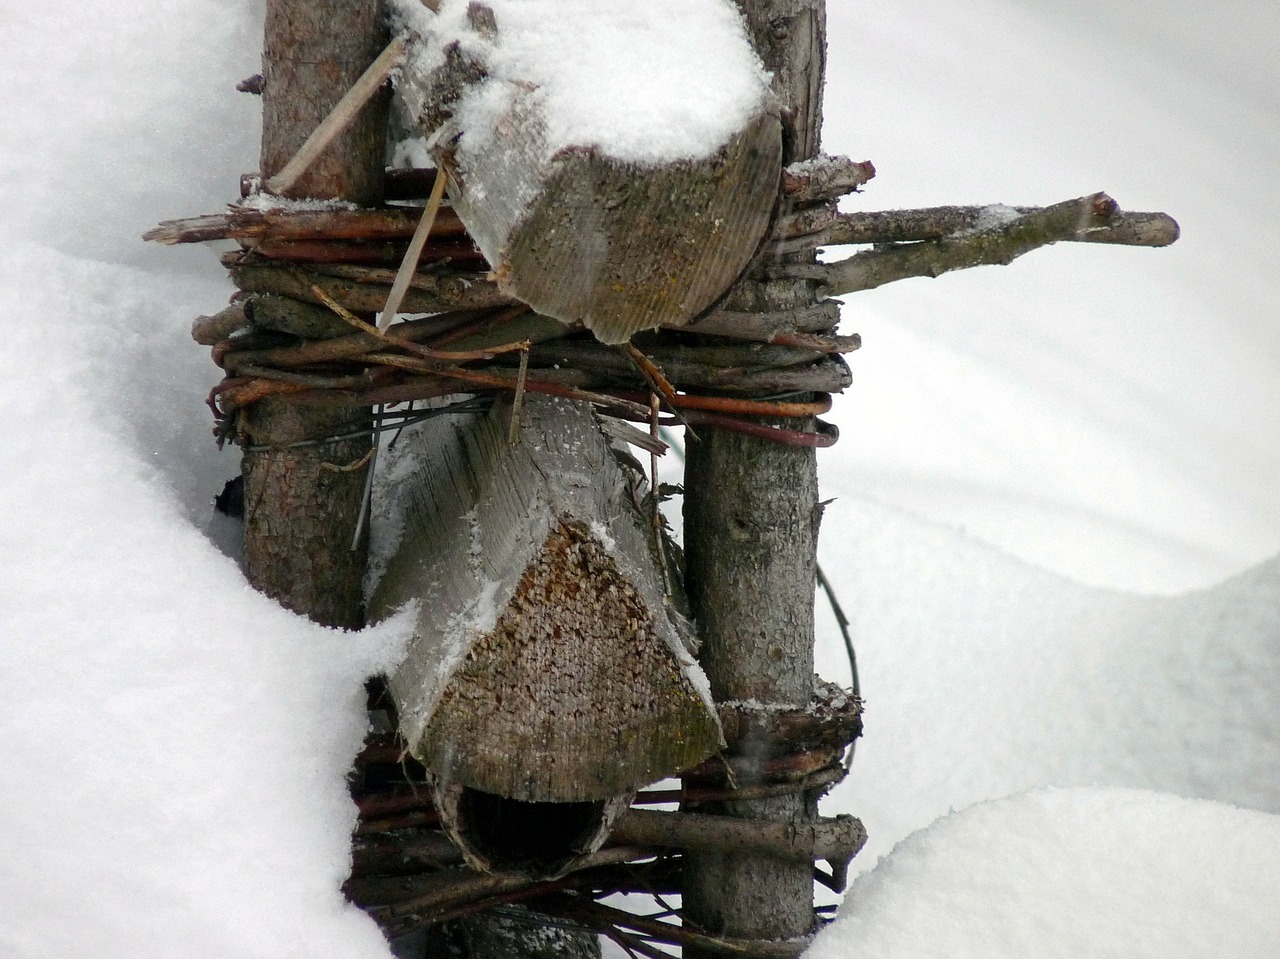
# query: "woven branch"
365,289
832,839
243,223
834,718
824,226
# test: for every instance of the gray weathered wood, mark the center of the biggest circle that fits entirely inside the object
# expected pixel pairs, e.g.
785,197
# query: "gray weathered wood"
585,237
751,521
548,663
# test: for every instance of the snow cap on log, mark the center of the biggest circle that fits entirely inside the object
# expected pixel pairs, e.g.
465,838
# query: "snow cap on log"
547,663
617,165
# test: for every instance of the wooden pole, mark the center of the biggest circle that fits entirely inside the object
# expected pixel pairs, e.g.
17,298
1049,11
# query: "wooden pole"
751,522
302,504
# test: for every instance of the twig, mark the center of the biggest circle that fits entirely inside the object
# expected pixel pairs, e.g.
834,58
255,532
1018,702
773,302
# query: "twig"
825,435
340,117
365,289
935,223
791,767
769,327
409,265
517,404
683,936
833,718
831,839
354,465
253,226
440,895
1000,244
346,315
209,330
816,782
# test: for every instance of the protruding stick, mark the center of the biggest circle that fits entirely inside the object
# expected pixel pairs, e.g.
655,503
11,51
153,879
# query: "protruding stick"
409,265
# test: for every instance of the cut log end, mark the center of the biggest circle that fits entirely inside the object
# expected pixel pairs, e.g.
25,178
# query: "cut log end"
616,246
637,248
541,840
573,696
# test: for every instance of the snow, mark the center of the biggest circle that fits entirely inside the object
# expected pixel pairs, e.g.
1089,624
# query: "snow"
670,80
1055,524
1064,873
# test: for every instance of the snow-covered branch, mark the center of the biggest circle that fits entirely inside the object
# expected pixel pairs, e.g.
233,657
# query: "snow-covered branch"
935,241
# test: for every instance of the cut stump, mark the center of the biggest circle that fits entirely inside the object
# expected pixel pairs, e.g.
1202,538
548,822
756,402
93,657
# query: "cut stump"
616,245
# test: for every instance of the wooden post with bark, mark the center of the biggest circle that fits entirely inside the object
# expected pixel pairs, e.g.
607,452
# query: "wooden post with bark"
751,523
550,674
303,503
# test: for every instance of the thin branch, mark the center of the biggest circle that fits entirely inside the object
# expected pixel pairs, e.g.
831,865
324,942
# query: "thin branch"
824,178
409,265
999,244
683,936
251,225
211,330
832,839
934,223
819,781
437,896
365,289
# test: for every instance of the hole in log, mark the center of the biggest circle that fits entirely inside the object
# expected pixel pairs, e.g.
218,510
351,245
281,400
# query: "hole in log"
538,839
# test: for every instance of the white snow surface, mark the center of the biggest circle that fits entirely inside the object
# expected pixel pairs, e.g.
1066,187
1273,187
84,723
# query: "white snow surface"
1055,525
1059,874
652,83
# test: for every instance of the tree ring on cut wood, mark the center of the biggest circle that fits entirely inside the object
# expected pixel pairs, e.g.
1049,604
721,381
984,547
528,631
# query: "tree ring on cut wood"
549,661
573,695
616,245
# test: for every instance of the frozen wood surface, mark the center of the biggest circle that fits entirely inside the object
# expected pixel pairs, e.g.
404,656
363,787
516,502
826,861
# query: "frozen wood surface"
547,663
579,232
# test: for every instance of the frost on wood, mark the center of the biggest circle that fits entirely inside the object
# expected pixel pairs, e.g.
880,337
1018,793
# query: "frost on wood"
579,214
547,663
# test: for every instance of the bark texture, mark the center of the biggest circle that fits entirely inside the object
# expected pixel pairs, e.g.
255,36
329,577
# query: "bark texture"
313,51
302,504
751,520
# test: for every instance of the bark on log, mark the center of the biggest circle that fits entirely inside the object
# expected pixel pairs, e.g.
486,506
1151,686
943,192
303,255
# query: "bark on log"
751,519
312,54
302,504
548,666
584,237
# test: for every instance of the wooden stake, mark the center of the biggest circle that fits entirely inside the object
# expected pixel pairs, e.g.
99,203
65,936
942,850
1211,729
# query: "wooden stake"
361,92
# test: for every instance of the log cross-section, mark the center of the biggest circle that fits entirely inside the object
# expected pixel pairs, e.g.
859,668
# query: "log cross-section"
615,243
548,662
